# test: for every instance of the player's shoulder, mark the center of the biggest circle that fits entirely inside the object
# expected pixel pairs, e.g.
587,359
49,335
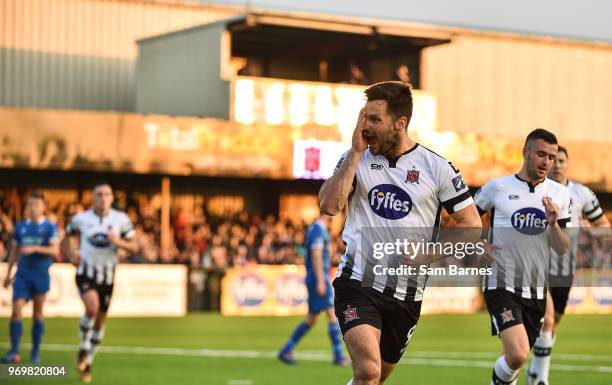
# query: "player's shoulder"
316,229
82,215
119,215
48,224
500,182
579,189
555,187
430,155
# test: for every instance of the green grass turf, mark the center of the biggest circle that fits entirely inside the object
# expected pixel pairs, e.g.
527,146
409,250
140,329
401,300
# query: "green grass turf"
578,335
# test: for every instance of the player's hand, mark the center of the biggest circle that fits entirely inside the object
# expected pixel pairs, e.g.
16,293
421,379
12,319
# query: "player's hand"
27,250
551,210
359,144
76,258
321,288
488,257
113,237
7,281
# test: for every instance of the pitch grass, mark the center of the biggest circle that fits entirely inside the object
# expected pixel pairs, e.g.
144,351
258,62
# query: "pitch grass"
459,340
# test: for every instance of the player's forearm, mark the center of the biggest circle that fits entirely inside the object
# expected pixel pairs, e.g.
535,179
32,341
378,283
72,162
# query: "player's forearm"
12,260
559,239
601,222
335,191
51,250
129,245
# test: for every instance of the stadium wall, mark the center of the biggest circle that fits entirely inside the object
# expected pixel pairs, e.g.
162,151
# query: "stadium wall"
81,54
488,84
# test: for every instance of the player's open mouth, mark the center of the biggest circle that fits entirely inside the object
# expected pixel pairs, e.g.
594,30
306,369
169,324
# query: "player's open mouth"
370,138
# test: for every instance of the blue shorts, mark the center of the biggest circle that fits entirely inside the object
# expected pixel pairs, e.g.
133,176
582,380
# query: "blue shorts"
27,285
316,303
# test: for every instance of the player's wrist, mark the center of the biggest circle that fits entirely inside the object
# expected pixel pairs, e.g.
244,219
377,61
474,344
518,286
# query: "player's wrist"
554,225
355,153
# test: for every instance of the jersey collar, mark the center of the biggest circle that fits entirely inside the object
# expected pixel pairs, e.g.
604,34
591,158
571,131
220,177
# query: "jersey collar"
529,184
393,160
38,222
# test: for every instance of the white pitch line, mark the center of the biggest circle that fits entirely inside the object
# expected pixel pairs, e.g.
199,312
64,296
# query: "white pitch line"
410,358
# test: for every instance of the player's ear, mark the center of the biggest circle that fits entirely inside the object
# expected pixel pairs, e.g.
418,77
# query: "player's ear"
401,123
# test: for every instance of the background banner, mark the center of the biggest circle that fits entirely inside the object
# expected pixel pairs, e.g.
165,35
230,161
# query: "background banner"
140,290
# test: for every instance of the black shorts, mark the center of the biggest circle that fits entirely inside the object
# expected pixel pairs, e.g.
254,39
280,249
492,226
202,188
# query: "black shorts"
105,291
356,305
560,295
509,309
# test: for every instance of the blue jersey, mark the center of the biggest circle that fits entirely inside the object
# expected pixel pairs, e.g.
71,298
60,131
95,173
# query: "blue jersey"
28,233
317,237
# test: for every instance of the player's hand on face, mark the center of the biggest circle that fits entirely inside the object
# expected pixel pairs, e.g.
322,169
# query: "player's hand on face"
321,288
551,210
359,143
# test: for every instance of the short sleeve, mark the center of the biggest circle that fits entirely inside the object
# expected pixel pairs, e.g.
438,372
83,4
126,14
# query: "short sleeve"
591,209
317,241
17,234
452,190
483,198
53,237
126,229
565,212
340,162
73,226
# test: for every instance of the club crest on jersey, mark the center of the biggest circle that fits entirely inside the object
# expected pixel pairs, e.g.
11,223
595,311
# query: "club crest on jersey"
389,201
350,314
529,221
412,176
507,316
99,240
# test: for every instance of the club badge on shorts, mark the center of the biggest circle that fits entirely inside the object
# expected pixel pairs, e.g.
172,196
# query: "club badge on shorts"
350,314
507,315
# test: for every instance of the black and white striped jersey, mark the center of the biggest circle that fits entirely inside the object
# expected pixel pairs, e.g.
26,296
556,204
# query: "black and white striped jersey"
98,255
407,192
518,225
584,206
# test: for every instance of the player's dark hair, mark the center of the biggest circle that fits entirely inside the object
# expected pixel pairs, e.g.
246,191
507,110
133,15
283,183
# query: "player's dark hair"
564,150
540,133
101,183
36,194
397,95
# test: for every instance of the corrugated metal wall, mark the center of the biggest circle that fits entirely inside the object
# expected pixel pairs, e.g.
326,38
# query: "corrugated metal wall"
509,86
81,54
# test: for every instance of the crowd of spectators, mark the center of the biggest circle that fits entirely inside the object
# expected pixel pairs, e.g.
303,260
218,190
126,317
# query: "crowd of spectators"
198,239
216,242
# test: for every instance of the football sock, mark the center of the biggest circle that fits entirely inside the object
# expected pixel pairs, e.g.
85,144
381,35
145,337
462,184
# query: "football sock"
540,364
336,339
298,333
15,330
86,328
38,329
503,374
96,339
